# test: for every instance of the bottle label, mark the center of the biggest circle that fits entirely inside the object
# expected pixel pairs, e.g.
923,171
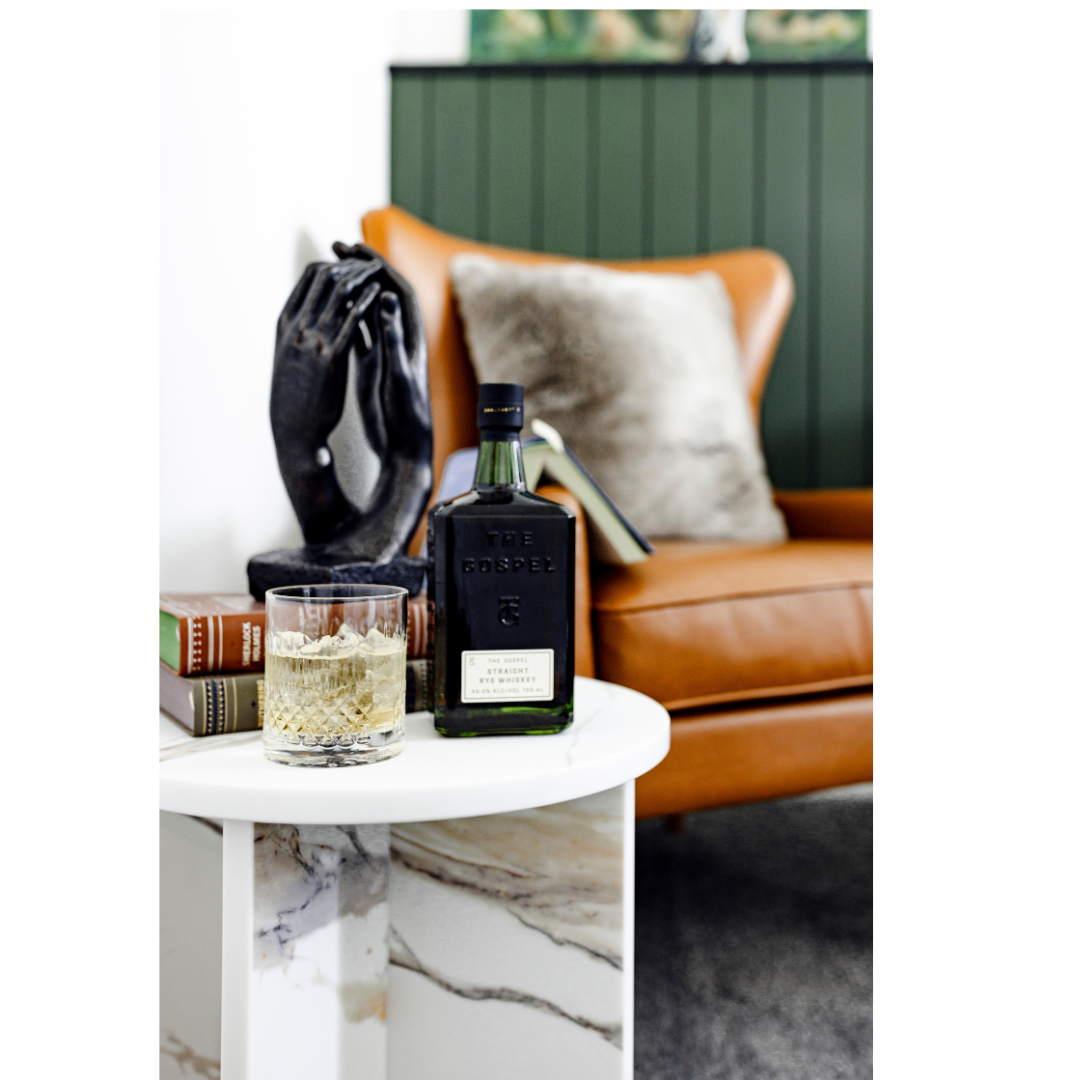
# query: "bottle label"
508,675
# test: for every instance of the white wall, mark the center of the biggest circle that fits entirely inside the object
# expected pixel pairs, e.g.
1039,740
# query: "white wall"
274,137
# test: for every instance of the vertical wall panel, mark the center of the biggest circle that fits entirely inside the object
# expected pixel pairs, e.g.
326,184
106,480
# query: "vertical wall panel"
729,220
675,165
868,298
786,229
510,160
407,142
619,166
483,156
618,163
456,158
565,164
841,276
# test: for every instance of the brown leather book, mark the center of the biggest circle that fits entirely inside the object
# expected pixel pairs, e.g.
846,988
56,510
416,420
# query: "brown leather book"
207,632
203,633
212,706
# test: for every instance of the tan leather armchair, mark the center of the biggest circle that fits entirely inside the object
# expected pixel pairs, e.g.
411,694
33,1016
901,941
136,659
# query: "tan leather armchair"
763,654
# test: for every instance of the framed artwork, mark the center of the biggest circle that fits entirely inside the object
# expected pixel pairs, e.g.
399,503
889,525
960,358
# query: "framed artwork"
517,36
799,36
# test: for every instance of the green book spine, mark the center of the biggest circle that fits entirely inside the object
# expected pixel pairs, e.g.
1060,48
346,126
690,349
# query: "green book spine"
232,703
169,630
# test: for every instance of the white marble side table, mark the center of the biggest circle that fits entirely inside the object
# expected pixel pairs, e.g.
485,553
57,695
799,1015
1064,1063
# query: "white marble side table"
465,910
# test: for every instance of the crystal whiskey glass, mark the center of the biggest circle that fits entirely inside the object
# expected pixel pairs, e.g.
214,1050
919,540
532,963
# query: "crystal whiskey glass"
335,674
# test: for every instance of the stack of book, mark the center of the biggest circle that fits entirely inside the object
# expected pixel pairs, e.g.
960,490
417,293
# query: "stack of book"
212,650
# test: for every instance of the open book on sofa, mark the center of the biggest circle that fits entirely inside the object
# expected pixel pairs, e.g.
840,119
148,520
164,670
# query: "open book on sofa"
612,538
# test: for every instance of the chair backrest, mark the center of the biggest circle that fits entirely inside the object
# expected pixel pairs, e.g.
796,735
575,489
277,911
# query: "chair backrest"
758,281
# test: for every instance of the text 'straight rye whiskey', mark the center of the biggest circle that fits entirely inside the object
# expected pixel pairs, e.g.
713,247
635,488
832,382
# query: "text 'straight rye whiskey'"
502,577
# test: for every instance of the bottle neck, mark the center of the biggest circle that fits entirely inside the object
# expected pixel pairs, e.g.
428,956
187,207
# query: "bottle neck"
499,466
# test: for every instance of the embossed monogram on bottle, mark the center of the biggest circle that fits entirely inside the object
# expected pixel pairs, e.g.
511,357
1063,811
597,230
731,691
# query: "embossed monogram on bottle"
508,610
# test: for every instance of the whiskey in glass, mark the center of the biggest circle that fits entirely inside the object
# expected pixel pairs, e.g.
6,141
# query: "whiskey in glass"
335,674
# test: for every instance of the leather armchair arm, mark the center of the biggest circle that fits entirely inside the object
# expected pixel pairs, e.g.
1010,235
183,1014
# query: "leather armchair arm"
584,657
833,513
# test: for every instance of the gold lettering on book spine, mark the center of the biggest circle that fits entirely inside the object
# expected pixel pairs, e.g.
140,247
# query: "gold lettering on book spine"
207,724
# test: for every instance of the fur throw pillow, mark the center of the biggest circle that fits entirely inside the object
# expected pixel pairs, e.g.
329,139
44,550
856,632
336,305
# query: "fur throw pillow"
639,373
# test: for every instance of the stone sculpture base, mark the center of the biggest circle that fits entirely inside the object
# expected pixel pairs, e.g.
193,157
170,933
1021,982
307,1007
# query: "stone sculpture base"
296,566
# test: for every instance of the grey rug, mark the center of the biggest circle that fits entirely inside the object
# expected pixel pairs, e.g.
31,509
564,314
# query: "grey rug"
754,942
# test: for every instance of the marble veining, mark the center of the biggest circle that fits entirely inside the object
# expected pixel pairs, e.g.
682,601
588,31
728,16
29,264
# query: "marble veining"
557,869
307,876
320,924
187,1059
521,912
404,957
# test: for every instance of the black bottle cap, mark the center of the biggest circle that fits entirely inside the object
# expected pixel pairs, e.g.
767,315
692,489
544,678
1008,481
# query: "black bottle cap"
501,405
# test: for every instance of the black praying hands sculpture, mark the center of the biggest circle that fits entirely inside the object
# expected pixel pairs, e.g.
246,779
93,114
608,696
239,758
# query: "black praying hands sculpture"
359,303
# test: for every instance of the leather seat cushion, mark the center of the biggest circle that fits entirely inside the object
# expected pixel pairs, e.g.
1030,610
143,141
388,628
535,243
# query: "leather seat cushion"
704,622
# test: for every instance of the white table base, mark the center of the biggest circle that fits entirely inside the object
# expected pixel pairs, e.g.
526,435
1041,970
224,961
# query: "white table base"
479,947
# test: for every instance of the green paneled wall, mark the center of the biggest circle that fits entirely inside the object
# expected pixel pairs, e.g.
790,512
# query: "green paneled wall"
637,161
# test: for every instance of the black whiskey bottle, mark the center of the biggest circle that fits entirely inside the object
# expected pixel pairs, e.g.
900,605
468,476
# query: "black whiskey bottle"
502,580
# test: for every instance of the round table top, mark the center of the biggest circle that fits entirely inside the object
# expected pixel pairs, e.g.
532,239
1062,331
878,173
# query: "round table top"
617,734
